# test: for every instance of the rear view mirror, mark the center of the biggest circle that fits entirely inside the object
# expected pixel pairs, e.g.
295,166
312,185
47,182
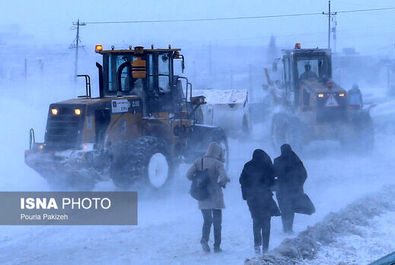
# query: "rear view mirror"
139,68
275,62
274,67
177,55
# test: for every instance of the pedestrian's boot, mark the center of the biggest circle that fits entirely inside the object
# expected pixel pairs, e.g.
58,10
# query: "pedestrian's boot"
217,249
205,246
217,239
257,250
264,251
288,231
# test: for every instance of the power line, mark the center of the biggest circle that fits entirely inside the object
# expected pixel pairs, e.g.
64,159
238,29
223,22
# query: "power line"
234,18
202,19
333,15
366,10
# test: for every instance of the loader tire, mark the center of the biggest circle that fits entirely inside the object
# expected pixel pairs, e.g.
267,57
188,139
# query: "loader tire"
246,126
363,138
286,130
367,134
144,162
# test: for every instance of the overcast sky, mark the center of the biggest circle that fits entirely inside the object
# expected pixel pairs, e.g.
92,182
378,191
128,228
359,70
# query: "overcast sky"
50,21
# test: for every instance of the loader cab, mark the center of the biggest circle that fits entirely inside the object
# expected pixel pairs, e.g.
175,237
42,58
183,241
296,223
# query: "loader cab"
144,73
301,66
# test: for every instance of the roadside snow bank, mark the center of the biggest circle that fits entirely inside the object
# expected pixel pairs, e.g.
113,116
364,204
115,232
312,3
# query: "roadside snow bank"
351,221
376,242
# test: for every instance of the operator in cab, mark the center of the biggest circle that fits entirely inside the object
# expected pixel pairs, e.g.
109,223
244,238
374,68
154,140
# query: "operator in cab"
308,74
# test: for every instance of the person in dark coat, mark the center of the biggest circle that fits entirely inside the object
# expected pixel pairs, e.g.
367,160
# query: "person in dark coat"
257,179
308,74
291,175
355,97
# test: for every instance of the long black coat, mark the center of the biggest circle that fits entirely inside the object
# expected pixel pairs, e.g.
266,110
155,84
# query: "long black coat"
256,181
291,175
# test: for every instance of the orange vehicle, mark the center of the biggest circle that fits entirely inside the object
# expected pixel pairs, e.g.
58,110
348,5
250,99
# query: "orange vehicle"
144,122
314,107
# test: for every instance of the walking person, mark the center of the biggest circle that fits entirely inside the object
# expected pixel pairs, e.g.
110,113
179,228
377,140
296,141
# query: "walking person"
257,179
355,99
291,175
211,207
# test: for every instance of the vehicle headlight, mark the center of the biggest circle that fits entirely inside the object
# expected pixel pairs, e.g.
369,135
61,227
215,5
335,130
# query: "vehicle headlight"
77,112
54,111
341,95
87,147
321,95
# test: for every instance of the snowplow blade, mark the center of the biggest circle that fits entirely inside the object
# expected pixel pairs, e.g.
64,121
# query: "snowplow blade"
69,169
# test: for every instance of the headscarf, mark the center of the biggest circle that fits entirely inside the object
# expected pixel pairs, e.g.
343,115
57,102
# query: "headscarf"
260,156
258,171
215,151
289,154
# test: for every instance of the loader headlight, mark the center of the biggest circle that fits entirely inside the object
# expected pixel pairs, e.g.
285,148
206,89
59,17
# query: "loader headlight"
341,95
77,112
54,111
321,95
41,147
87,147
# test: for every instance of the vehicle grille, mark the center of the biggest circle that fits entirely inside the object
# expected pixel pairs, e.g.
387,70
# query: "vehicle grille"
64,130
331,115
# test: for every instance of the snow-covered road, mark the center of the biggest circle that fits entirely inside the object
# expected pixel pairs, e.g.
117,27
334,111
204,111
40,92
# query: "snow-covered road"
170,224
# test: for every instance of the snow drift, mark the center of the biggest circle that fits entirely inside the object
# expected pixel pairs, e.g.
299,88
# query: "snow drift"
348,221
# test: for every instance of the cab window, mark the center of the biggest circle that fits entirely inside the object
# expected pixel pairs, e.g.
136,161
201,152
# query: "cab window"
126,79
113,63
163,72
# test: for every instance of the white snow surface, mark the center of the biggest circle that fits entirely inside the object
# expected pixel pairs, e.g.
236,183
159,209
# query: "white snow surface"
383,116
341,235
375,241
169,223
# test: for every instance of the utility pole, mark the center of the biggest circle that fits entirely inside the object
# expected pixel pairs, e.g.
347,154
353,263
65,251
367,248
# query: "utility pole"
76,45
231,78
250,91
194,78
250,78
334,33
329,14
25,73
210,62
